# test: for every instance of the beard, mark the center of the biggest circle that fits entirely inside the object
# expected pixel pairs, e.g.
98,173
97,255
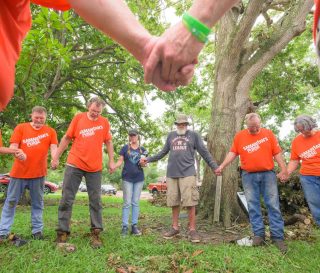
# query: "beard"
181,132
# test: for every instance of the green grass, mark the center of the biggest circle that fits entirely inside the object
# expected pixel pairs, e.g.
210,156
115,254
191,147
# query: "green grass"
148,253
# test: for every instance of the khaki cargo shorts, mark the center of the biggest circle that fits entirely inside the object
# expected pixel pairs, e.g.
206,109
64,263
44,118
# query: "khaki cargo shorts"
182,191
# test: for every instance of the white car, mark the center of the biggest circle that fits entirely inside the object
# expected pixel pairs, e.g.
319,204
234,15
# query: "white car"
108,189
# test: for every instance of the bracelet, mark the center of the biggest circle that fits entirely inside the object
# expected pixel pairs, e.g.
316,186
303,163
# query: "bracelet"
197,29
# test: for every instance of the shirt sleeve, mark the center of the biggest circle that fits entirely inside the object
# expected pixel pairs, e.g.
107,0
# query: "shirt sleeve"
275,144
108,133
294,155
16,135
123,150
165,150
54,138
72,127
204,152
53,4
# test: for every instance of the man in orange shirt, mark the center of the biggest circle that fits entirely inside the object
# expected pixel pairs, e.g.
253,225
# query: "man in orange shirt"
34,139
257,147
87,131
305,148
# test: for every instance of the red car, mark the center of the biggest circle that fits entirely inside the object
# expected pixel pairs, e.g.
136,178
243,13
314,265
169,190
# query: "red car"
49,187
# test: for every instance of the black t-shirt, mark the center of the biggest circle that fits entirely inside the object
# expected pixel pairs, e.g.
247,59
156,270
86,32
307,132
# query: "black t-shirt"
132,172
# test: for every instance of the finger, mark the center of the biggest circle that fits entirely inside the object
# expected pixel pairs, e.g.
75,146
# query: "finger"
173,71
166,69
151,65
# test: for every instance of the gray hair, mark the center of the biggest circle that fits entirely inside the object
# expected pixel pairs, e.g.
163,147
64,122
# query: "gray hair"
251,116
97,101
308,123
39,109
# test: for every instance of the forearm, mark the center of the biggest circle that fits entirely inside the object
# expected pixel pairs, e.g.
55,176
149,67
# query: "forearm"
119,162
53,149
109,148
115,19
210,11
279,159
292,166
62,147
5,150
229,158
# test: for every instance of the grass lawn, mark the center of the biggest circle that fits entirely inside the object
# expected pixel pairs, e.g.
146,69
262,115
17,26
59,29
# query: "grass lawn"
148,253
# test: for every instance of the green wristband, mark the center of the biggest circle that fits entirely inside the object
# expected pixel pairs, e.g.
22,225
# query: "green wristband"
197,29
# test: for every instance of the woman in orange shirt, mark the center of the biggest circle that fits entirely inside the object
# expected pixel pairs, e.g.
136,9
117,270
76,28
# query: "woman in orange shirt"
305,148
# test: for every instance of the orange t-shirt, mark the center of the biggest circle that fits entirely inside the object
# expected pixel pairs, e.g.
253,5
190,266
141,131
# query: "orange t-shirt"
256,151
35,144
88,137
307,149
15,22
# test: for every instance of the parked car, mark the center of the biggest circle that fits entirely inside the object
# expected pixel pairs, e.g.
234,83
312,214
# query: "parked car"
49,187
82,187
108,189
159,187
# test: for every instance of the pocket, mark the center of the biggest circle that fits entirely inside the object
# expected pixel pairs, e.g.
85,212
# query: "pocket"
195,193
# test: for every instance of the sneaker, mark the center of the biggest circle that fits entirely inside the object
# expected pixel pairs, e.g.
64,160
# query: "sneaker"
95,238
258,241
124,231
135,231
171,233
280,244
15,240
194,236
62,237
37,236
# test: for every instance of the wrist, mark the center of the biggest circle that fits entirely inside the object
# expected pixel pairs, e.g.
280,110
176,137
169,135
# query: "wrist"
196,27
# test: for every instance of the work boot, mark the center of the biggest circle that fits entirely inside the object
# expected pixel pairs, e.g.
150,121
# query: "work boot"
258,241
124,231
194,236
62,237
37,236
135,231
280,244
16,241
95,238
3,238
171,233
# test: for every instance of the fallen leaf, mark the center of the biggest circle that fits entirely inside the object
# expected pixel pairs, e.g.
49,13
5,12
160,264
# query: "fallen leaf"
121,270
197,252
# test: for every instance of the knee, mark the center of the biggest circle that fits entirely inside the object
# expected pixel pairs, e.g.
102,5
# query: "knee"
65,206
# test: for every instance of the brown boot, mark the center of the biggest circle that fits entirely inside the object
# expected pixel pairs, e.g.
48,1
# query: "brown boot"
95,238
62,237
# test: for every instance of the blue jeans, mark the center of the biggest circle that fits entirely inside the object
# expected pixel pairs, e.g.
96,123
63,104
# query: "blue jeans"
311,188
131,197
15,190
265,184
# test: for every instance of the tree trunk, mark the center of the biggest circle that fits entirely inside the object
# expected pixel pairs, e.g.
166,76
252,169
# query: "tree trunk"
238,62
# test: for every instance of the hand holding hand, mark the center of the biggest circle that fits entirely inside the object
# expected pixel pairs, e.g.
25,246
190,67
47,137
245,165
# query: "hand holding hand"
54,164
283,176
171,53
218,171
143,162
112,167
20,155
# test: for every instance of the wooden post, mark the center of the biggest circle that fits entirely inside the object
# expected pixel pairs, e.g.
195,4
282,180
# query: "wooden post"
217,200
